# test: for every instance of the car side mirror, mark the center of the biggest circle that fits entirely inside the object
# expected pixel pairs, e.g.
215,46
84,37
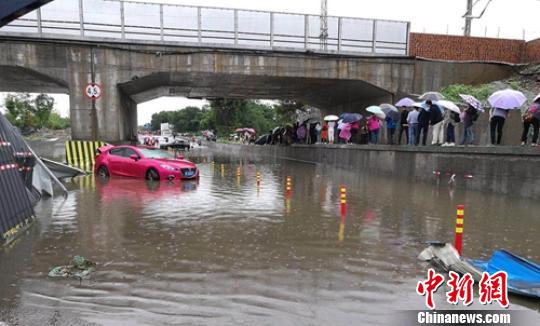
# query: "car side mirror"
134,157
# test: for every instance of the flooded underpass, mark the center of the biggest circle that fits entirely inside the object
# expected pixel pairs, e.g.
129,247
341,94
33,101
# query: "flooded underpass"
225,251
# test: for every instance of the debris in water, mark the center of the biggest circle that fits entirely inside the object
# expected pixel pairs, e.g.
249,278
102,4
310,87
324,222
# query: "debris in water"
79,268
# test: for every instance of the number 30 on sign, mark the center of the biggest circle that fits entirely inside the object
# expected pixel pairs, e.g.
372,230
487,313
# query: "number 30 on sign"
92,91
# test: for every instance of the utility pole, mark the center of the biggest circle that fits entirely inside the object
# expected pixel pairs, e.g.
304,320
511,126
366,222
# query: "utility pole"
468,18
324,25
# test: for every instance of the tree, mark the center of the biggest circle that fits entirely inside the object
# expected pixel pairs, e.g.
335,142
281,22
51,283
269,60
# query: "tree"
55,121
225,115
44,105
19,111
25,112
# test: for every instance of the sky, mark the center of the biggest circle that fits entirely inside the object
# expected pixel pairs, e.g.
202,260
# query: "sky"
516,19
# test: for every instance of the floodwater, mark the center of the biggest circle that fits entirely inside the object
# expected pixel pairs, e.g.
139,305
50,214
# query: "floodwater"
222,251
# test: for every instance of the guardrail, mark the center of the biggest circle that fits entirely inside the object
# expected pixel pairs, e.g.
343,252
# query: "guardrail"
211,26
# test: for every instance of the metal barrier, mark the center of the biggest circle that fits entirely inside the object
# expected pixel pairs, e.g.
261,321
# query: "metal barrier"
210,27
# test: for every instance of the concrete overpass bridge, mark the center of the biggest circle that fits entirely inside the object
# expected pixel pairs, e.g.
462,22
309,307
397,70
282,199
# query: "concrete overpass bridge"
137,52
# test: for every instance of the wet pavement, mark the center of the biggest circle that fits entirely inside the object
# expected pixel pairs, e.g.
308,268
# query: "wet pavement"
222,251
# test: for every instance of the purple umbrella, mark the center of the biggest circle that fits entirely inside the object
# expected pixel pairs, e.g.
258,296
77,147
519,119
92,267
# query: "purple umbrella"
472,101
407,102
507,99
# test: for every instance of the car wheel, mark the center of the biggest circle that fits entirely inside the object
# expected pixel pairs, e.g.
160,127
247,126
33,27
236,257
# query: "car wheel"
103,171
152,175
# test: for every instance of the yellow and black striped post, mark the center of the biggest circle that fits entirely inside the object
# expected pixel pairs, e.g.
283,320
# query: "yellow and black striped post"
222,170
258,179
458,243
82,153
343,200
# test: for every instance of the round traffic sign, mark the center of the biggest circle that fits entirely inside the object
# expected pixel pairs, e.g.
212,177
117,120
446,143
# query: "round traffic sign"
92,91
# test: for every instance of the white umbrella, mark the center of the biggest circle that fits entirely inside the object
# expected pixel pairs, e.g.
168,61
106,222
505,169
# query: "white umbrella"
331,117
536,98
377,111
449,106
507,99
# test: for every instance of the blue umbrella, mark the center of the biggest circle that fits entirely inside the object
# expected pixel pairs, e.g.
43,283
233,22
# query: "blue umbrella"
350,117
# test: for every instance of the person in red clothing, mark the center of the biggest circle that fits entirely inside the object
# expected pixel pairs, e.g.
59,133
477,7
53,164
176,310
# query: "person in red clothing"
324,133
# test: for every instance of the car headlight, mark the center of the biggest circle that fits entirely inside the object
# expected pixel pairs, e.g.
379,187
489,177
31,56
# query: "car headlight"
167,167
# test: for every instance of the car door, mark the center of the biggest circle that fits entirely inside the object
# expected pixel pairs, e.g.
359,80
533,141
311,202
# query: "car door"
132,168
116,160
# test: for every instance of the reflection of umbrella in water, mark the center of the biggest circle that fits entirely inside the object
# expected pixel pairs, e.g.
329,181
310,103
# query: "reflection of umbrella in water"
448,105
432,96
331,117
391,111
407,102
350,117
377,111
507,99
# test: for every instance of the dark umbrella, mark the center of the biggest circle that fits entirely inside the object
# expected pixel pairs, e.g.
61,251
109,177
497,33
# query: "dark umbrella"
350,117
432,96
390,111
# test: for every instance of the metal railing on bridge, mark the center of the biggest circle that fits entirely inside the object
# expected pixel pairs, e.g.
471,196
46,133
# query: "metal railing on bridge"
126,21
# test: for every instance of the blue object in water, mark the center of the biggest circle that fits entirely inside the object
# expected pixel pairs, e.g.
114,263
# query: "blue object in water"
523,275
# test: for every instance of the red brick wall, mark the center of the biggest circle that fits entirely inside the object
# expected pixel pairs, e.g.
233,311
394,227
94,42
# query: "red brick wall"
460,48
532,51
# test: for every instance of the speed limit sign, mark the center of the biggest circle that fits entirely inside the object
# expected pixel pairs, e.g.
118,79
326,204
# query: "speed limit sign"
92,91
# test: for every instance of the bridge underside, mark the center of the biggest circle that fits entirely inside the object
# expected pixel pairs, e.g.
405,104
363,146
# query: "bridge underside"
131,74
324,93
19,79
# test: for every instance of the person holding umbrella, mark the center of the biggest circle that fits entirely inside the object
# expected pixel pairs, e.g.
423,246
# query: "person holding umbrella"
497,117
373,127
424,117
403,126
391,129
501,102
469,116
412,122
531,117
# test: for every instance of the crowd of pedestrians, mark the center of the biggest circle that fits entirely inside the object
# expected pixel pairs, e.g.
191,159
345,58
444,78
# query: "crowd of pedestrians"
413,122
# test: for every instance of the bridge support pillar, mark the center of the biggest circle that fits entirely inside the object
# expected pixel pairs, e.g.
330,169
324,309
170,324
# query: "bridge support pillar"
116,112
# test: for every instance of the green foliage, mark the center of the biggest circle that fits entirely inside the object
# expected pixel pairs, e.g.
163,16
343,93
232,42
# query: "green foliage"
225,115
25,112
43,106
514,84
19,111
481,92
57,122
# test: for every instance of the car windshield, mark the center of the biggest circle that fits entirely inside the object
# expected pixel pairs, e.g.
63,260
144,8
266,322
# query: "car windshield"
156,153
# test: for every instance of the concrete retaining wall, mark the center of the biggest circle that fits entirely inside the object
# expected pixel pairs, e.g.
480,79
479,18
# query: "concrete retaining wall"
505,170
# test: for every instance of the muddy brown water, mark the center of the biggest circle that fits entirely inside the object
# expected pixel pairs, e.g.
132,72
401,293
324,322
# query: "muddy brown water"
222,251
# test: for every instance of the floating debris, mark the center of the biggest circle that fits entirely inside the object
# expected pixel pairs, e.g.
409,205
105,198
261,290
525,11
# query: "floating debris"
80,267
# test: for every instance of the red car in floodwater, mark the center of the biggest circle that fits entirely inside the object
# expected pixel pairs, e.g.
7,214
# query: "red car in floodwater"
143,162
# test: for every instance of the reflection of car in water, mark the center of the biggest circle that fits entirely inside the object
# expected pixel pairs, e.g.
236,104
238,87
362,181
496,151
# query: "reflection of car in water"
143,162
120,190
